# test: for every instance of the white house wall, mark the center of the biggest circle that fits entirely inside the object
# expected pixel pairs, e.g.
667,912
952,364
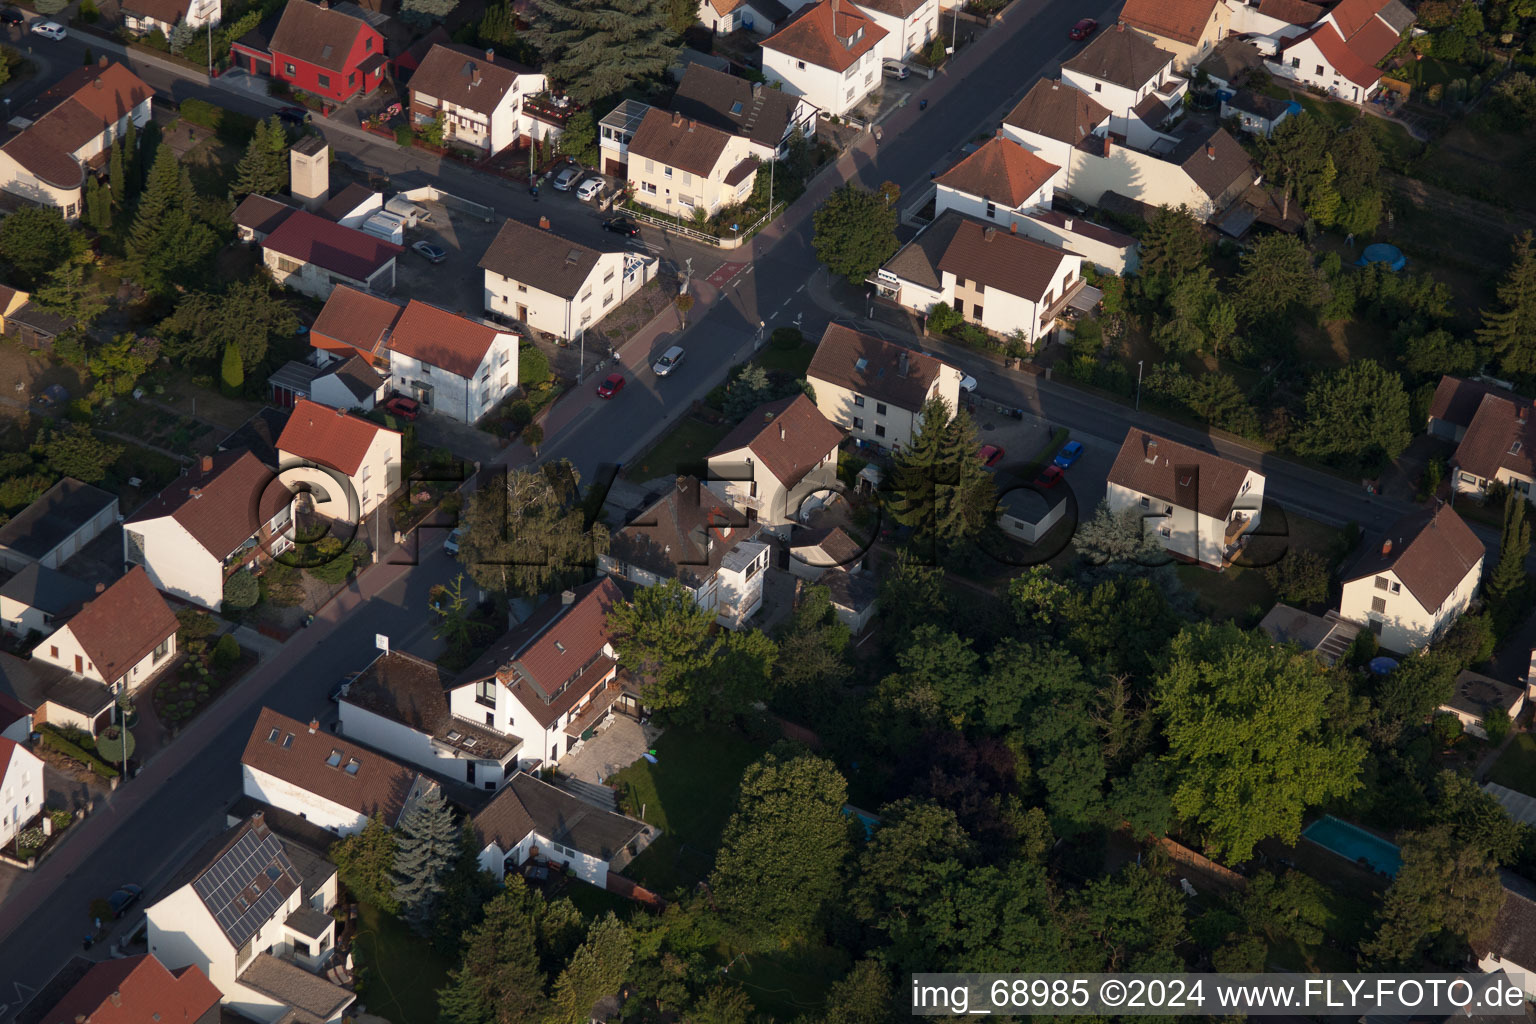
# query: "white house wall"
21,793
406,744
606,288
1137,175
1106,257
178,564
284,795
20,619
1304,62
1406,625
69,649
905,37
832,91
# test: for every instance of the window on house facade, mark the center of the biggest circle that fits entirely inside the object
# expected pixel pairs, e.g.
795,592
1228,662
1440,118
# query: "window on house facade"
352,78
976,311
1320,69
991,209
647,188
607,300
608,276
162,650
666,172
800,64
1378,604
879,430
1381,583
324,81
289,69
858,424
1098,87
687,178
858,401
1296,62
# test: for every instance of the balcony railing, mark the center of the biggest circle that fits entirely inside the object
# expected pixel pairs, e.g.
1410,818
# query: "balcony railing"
550,108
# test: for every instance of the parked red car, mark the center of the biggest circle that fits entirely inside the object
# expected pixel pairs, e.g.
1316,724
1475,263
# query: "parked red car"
1049,477
405,408
611,385
1083,29
990,455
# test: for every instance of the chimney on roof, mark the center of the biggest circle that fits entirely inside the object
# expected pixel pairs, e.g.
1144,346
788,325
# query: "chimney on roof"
757,89
1522,411
490,55
1119,26
677,119
1210,150
781,431
325,5
544,223
690,127
474,75
998,133
988,233
195,492
259,819
1068,222
1386,546
116,997
1108,143
1013,227
314,726
1149,445
207,463
101,588
504,675
568,597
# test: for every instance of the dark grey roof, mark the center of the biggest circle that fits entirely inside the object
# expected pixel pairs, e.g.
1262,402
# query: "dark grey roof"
1479,695
47,522
413,692
540,258
918,260
312,996
1216,163
35,683
309,921
1249,102
295,376
41,320
1513,935
1231,57
357,376
852,590
345,201
1121,57
735,105
1396,15
259,435
247,882
47,590
561,818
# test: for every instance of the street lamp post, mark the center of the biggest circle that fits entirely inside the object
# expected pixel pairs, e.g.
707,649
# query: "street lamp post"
1138,384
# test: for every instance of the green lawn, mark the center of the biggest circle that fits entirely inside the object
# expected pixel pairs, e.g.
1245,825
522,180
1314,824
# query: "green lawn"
398,973
689,793
687,445
594,902
1516,767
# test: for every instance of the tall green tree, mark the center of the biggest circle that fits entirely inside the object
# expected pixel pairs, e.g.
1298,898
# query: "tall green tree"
1357,159
597,970
666,638
98,206
939,487
35,240
782,853
168,248
1131,921
530,537
1249,737
1510,329
599,48
72,450
424,853
118,364
913,860
863,996
507,959
1445,893
263,169
1357,416
117,176
1508,574
421,13
366,862
231,373
247,315
854,232
1277,278
1295,156
67,293
1172,249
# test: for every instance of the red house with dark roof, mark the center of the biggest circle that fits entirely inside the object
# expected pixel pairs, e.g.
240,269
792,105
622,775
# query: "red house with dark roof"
330,52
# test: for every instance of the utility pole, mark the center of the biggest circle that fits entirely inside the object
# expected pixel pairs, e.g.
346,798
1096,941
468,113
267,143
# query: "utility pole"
1138,384
210,48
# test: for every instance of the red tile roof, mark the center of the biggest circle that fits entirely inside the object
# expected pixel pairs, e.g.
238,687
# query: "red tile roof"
83,104
1501,435
1182,20
1374,41
1057,111
353,320
1350,16
1012,263
11,711
1457,398
331,437
790,436
464,76
1159,468
291,751
223,505
442,339
309,238
1430,551
1002,171
123,624
831,34
136,990
1337,53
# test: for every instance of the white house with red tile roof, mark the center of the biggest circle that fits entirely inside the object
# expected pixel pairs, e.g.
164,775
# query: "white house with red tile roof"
782,453
1199,505
1341,52
209,523
313,255
828,52
137,990
348,464
306,770
68,129
1498,444
1186,28
120,638
550,678
1000,182
451,364
1410,589
1268,22
21,788
910,25
355,323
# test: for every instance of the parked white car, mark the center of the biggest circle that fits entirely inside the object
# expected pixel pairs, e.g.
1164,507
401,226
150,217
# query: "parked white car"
48,29
588,190
668,361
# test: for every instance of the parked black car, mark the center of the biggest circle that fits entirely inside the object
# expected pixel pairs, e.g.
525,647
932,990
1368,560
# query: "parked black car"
621,226
293,115
123,898
11,16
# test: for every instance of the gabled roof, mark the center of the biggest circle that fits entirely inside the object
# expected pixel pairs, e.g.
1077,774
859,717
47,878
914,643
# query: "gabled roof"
261,214
346,202
319,35
544,659
331,437
331,768
1502,435
1126,59
1337,53
1351,17
466,77
735,105
1183,21
830,34
527,804
894,8
1230,58
1292,12
136,990
33,683
242,878
1178,474
918,260
310,999
1057,111
72,112
1009,262
310,238
221,503
355,319
121,626
874,367
1269,108
790,437
1001,171
168,11
1216,163
831,541
1430,551
439,338
358,376
686,534
541,258
1457,398
677,141
11,710
413,692
53,518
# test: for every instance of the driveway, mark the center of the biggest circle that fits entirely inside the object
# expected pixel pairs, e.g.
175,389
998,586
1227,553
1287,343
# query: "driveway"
617,747
465,441
457,283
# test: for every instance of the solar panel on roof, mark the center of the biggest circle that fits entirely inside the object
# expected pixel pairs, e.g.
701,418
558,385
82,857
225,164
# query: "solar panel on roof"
223,885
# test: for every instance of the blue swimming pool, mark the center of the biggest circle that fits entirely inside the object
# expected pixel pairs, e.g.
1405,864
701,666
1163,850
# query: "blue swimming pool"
870,821
1354,844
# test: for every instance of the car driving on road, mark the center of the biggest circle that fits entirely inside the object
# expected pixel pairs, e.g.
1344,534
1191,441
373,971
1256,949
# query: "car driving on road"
668,361
48,29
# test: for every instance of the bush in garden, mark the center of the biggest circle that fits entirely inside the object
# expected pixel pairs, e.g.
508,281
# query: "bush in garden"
226,652
241,591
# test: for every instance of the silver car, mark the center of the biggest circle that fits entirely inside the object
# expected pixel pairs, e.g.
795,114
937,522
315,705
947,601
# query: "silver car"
567,177
668,361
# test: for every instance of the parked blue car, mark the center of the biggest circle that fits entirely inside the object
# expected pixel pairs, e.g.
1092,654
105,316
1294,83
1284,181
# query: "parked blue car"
1070,453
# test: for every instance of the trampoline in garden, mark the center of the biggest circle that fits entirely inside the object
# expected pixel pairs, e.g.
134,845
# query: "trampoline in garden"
1383,665
1381,252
